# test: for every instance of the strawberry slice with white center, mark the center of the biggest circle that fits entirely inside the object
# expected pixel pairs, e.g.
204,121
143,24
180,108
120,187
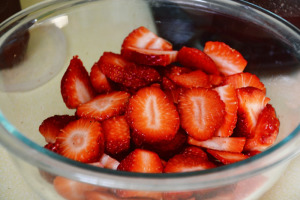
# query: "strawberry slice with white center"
145,39
104,106
229,97
244,79
197,59
201,112
99,81
152,116
232,144
76,87
150,57
227,157
229,61
81,140
251,101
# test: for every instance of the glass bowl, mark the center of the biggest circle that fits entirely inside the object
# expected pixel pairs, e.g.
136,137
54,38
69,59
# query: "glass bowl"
37,43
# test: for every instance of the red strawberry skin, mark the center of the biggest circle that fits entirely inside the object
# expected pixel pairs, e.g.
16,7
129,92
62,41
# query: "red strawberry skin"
152,116
81,140
227,157
192,79
99,81
76,87
196,59
201,112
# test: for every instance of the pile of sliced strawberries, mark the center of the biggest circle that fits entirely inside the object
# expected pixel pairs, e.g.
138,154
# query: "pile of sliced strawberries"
152,109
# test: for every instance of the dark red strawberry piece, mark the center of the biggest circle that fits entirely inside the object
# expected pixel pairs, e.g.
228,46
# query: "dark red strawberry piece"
265,131
76,87
81,140
99,81
52,147
229,61
251,101
172,90
152,116
145,39
231,144
201,112
104,106
117,135
50,127
196,59
142,161
227,157
228,95
129,74
150,57
245,79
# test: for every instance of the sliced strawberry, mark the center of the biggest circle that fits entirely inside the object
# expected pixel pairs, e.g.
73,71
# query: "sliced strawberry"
117,135
152,116
172,90
99,81
104,106
231,144
265,131
76,87
192,79
142,161
245,79
50,127
145,39
52,147
81,140
201,112
108,162
229,61
216,80
251,101
227,157
119,70
196,59
138,195
187,162
196,151
150,57
229,97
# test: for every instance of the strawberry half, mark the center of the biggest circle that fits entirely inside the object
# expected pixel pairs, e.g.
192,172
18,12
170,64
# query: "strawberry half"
229,61
150,57
196,59
244,79
228,95
251,101
232,144
227,157
201,112
104,106
81,140
152,116
99,81
50,127
117,135
145,39
129,74
76,87
142,161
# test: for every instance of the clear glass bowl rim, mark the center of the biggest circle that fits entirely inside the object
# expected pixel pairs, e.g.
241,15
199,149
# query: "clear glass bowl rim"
19,145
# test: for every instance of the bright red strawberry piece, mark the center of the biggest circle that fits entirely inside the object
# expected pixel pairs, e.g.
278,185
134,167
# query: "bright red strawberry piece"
196,59
81,140
216,80
192,79
145,39
104,106
265,131
245,79
129,74
117,135
50,127
150,57
251,101
201,112
230,144
76,87
196,151
227,157
172,90
229,97
152,116
99,81
229,61
142,161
